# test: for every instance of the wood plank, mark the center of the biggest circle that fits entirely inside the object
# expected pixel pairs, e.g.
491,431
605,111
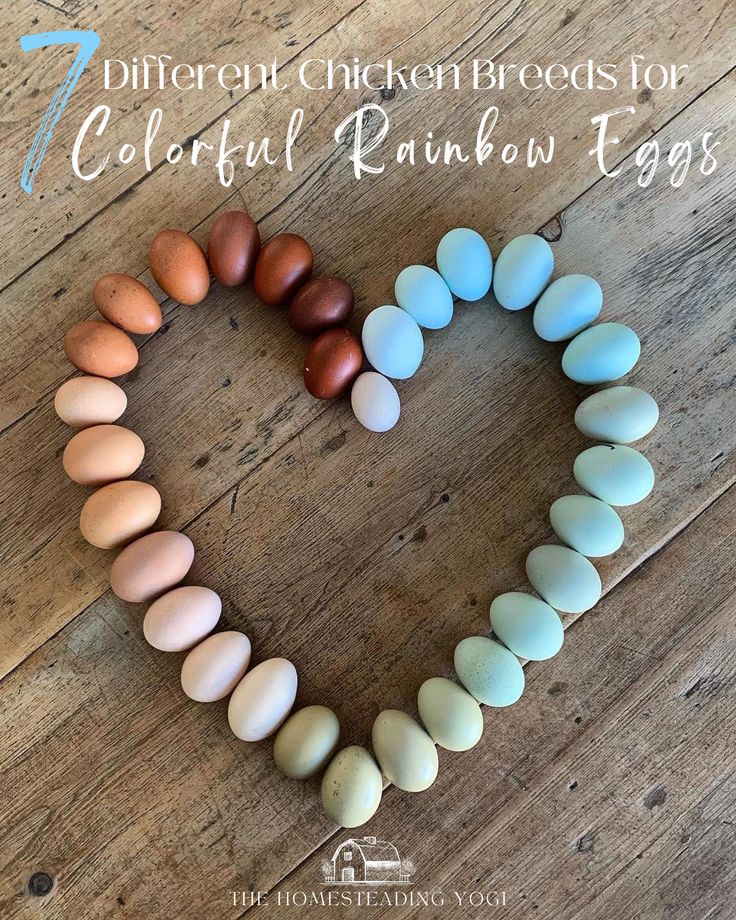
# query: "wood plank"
207,438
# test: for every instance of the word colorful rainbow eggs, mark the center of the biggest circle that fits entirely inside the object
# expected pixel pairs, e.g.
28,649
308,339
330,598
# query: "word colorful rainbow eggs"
151,564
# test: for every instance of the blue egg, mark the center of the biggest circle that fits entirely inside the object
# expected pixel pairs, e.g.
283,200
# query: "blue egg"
424,294
569,305
393,342
464,261
523,270
601,354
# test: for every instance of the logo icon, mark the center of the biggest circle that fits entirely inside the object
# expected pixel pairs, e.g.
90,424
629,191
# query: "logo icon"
366,861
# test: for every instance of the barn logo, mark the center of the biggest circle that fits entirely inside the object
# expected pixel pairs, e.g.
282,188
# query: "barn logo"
367,861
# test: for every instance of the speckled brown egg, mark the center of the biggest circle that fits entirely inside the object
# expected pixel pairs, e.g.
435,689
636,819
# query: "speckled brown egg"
127,303
119,512
85,401
322,302
283,265
179,266
102,454
98,348
151,565
233,247
332,362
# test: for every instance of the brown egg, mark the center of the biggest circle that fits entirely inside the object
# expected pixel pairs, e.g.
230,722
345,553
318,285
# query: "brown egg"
283,265
233,247
127,303
85,401
179,266
332,362
321,303
102,454
151,565
117,513
98,348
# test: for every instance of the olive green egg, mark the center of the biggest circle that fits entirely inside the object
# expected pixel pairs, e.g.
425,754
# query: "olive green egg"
450,714
527,625
587,524
489,671
404,751
306,741
566,580
352,787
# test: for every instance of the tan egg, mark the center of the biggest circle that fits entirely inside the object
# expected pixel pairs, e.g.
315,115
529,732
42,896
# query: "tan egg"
98,348
179,266
151,565
127,303
262,699
103,454
181,618
213,668
119,512
85,401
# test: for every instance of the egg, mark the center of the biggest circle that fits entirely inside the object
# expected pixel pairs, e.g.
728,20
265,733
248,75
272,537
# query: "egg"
283,265
179,266
351,787
614,473
618,414
262,699
404,751
526,625
587,525
98,348
564,578
151,565
601,354
232,247
425,296
523,271
393,342
126,302
213,668
322,302
85,401
566,307
119,512
375,402
450,714
332,362
306,742
464,261
489,671
182,617
101,454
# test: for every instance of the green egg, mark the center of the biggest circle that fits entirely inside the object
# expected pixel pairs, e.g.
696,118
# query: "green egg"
450,714
306,741
527,626
615,473
352,787
618,415
565,579
490,672
404,751
587,524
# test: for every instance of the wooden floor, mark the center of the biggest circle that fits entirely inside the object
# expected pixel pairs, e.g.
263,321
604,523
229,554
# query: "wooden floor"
609,790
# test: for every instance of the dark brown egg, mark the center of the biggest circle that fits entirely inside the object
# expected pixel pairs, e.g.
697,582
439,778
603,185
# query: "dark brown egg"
179,266
321,303
127,303
98,348
332,362
233,247
283,265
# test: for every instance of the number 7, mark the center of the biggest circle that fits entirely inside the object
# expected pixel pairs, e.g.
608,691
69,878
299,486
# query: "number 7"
88,43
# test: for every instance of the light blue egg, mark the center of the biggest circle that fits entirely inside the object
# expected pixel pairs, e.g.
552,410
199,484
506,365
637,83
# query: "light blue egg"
569,305
615,473
587,525
489,671
527,625
424,294
564,578
601,354
618,415
464,261
522,271
393,342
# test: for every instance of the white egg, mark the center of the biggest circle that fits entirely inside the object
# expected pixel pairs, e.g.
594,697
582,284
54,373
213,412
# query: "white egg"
262,699
375,402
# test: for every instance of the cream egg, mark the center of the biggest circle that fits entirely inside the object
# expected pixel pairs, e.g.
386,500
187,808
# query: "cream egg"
182,617
85,401
262,699
213,668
